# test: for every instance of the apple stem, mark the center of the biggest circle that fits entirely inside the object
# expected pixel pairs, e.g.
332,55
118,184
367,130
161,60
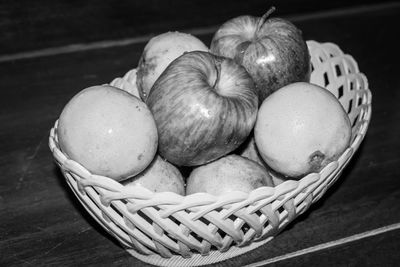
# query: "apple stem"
218,70
262,20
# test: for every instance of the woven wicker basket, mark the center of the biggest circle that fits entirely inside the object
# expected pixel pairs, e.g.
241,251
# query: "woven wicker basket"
167,229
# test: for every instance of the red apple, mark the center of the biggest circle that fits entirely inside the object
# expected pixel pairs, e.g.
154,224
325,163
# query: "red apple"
159,176
204,107
272,50
159,52
108,131
229,173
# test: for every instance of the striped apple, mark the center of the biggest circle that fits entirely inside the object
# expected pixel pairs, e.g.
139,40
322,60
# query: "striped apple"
204,107
272,50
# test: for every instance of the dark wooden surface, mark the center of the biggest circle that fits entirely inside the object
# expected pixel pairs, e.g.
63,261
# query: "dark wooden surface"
42,224
26,25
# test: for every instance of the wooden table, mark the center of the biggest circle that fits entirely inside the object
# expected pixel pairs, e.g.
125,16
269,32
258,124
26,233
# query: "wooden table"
357,222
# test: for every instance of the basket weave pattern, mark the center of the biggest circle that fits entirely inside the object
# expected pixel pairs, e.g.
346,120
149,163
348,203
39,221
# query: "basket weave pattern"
168,229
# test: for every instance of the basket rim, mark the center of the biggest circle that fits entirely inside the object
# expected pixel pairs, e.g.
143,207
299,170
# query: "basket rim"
68,164
140,192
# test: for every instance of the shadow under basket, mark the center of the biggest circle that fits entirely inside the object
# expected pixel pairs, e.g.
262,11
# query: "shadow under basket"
167,229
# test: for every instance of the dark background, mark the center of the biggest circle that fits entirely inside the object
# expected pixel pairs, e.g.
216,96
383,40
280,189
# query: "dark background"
31,25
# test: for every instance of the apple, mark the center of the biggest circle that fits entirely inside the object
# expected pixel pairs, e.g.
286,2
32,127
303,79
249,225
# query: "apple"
108,131
227,174
250,151
159,52
159,176
204,107
271,49
127,83
300,129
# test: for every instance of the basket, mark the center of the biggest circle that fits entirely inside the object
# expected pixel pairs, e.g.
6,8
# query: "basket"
167,229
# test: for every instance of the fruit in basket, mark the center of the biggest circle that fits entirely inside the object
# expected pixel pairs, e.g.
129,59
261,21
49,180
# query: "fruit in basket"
159,176
272,50
127,83
300,129
204,107
159,52
229,173
108,131
250,151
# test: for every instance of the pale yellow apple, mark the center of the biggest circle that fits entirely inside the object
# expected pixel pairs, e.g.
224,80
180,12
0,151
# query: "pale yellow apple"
108,131
227,174
159,52
250,151
127,83
159,176
300,129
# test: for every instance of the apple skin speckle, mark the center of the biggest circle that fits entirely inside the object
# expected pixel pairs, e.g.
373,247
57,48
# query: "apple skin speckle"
272,50
315,132
103,129
204,106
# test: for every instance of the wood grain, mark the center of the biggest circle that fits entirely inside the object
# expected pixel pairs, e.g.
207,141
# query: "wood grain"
42,224
30,25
